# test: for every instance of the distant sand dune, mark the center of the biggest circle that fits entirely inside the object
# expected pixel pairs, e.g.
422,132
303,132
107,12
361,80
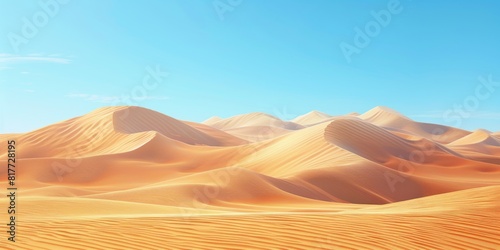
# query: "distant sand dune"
254,119
312,118
478,137
253,127
390,119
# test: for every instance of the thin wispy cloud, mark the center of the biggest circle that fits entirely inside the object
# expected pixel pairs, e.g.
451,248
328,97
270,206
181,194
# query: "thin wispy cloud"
151,98
486,115
430,114
477,114
10,58
112,99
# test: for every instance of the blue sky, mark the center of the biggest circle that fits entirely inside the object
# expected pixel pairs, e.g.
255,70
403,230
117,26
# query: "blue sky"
228,57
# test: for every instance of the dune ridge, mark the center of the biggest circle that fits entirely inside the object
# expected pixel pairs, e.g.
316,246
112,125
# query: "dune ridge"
312,118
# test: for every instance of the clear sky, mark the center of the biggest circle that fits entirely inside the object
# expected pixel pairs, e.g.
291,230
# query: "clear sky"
227,57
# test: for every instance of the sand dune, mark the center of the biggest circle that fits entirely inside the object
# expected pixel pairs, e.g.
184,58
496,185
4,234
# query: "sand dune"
392,120
212,120
254,119
255,181
477,137
377,144
253,127
480,145
312,118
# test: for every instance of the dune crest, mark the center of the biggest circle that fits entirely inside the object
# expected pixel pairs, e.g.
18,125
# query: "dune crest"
212,120
311,118
384,116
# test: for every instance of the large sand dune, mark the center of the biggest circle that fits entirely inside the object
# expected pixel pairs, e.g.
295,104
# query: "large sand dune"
133,178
